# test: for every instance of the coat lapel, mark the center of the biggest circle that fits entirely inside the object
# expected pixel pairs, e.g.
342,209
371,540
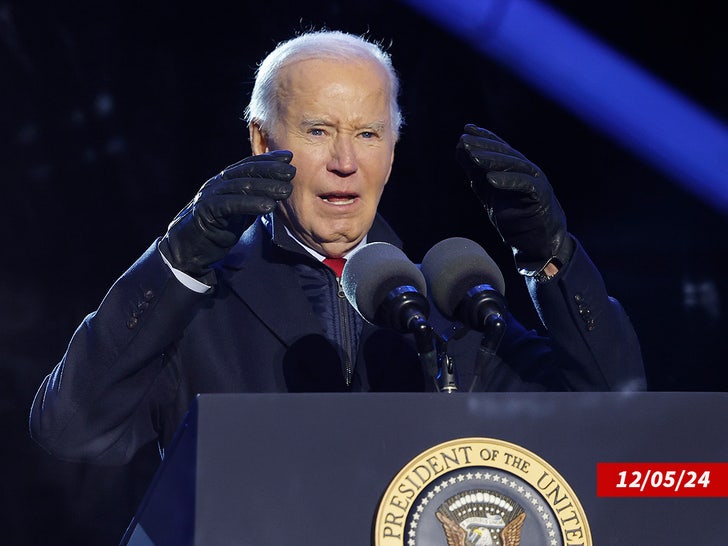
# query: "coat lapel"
260,274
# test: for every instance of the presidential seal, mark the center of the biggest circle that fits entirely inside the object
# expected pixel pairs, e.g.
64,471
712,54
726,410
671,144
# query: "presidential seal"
480,492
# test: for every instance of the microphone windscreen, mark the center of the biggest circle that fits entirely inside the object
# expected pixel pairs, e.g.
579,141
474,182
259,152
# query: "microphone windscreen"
373,271
453,266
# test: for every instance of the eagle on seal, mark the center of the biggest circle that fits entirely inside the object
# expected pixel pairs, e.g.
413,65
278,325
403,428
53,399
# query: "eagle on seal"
456,535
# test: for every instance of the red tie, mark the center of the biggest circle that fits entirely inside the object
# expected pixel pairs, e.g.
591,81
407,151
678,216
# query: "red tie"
337,264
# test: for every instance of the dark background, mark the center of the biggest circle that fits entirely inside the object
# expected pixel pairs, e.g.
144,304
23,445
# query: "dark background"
114,113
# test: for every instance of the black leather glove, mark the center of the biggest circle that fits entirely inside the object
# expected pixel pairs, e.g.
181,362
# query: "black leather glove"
518,198
205,230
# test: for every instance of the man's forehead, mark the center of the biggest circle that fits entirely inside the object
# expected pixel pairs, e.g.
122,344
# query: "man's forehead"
359,67
332,92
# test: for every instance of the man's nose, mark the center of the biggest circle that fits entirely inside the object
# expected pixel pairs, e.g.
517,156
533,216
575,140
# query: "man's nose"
343,156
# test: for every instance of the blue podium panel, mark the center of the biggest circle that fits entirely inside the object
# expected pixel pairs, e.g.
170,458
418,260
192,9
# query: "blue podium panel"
264,469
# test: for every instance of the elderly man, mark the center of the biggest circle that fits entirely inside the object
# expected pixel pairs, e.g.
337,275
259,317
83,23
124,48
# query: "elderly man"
237,296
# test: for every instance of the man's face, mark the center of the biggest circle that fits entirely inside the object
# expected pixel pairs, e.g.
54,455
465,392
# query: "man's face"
335,118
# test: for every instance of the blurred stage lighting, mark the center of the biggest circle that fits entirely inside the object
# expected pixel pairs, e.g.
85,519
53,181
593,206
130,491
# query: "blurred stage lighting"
607,90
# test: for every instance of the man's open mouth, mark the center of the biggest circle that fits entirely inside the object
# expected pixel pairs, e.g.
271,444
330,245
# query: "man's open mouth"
339,198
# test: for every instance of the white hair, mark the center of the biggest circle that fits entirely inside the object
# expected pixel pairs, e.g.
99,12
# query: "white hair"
264,107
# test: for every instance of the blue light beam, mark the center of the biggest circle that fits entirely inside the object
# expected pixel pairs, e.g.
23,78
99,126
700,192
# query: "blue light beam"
596,83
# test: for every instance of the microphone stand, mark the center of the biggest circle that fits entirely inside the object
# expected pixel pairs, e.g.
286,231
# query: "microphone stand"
447,378
486,358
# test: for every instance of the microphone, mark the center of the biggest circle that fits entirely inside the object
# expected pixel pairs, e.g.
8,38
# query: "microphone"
385,287
388,290
466,285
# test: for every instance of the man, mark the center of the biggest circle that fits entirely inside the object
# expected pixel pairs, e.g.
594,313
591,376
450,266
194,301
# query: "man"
235,297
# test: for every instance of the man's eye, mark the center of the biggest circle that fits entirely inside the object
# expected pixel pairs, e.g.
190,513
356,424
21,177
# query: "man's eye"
369,134
316,132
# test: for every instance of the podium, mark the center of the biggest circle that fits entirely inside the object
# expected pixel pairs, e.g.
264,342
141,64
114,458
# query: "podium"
312,469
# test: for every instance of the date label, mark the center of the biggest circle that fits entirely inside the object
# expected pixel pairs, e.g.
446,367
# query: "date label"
662,479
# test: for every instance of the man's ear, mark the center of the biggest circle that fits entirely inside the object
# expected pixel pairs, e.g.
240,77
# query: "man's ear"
258,139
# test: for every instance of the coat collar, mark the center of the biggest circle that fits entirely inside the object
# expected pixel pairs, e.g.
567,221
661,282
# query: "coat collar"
259,270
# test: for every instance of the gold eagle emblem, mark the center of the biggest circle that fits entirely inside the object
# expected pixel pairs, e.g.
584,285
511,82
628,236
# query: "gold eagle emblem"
481,518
